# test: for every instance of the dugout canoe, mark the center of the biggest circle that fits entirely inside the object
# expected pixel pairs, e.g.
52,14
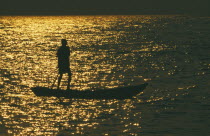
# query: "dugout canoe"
113,93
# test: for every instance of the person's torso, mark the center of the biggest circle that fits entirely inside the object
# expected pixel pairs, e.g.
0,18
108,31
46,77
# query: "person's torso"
63,52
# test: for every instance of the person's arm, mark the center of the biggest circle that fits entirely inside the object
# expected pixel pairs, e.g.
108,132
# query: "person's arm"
69,51
58,52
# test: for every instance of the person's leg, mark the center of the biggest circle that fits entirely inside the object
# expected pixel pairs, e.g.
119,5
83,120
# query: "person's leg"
59,80
69,80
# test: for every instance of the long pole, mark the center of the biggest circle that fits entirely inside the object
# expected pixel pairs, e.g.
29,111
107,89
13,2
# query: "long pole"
54,81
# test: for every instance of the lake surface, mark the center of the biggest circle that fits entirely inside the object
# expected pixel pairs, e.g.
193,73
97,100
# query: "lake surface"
171,53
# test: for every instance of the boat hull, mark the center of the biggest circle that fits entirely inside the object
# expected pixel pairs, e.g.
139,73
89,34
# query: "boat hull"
114,93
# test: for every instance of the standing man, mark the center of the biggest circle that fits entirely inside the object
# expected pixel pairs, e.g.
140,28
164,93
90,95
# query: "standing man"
63,54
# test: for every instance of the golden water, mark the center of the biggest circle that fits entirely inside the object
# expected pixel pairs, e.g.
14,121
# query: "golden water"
106,52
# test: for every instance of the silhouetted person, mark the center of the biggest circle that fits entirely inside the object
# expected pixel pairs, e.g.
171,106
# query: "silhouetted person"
63,54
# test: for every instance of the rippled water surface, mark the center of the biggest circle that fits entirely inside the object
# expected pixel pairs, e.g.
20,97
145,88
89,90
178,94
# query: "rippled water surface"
171,53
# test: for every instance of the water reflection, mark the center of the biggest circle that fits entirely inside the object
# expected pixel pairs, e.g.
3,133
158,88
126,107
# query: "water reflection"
107,52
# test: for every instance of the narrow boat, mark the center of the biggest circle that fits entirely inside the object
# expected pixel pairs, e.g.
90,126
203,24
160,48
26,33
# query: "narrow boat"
113,93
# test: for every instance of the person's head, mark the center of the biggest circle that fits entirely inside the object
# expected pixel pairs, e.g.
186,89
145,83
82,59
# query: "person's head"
64,42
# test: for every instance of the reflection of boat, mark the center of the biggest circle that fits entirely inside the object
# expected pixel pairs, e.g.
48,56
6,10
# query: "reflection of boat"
113,93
